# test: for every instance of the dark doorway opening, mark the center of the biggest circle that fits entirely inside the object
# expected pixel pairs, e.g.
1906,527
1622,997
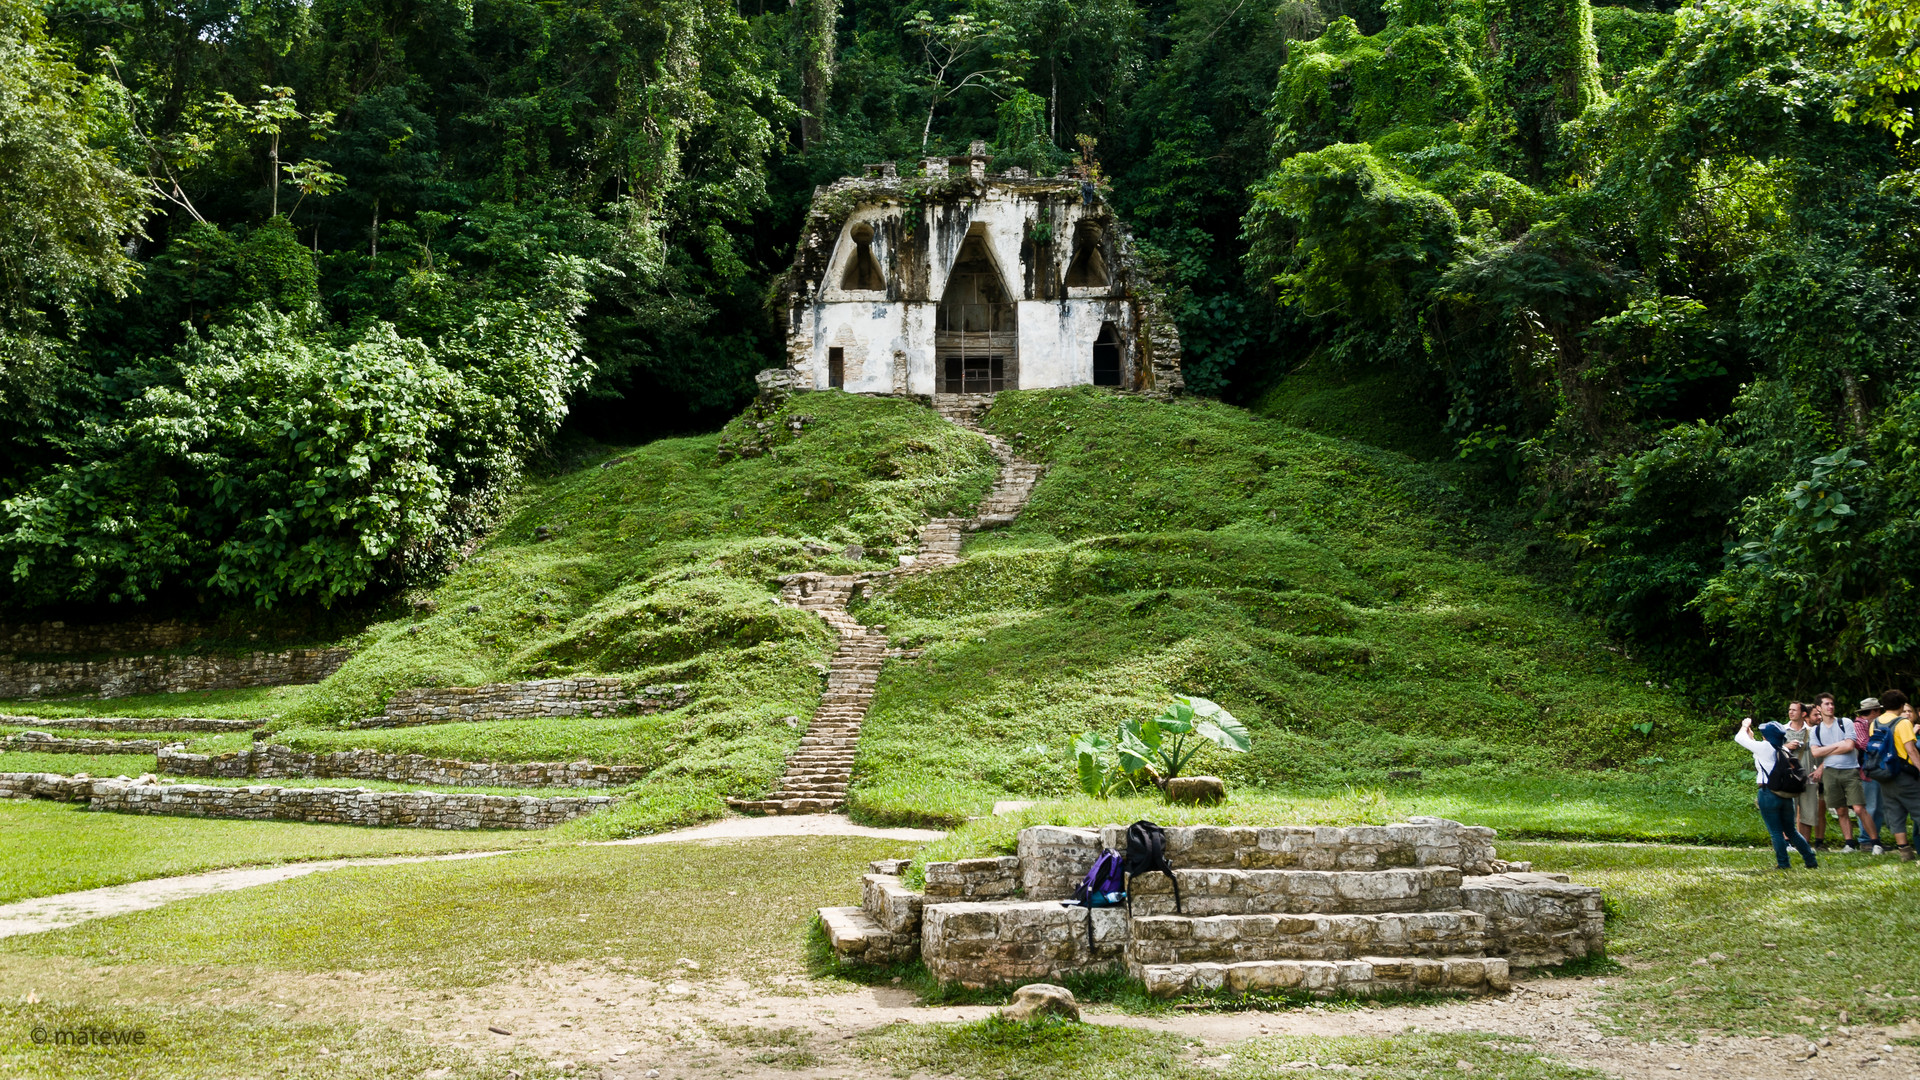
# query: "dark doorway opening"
1106,356
836,369
974,375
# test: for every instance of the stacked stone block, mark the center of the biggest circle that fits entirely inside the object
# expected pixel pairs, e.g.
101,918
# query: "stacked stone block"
130,723
265,761
585,696
1360,910
39,742
166,673
339,806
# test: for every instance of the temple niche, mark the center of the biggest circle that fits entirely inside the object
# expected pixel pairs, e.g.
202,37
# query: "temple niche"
961,281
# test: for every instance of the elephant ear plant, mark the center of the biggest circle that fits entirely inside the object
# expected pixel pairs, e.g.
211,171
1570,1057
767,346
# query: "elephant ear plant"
1154,751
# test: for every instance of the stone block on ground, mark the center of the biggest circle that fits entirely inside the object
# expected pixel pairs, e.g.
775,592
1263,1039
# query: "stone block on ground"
1420,841
1036,1001
891,904
1360,977
1196,790
895,867
1299,892
855,936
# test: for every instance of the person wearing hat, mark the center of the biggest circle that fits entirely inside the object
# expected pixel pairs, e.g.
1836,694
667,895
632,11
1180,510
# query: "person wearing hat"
1869,788
1900,796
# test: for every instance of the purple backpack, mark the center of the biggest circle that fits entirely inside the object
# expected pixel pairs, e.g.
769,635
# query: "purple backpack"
1105,886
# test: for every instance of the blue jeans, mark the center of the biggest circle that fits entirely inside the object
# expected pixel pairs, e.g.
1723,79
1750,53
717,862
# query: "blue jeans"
1872,804
1777,813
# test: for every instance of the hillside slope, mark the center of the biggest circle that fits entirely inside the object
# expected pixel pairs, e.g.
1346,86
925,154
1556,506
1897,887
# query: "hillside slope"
1317,587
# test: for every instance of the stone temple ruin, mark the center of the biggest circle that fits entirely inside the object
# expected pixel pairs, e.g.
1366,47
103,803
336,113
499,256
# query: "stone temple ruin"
1422,905
961,282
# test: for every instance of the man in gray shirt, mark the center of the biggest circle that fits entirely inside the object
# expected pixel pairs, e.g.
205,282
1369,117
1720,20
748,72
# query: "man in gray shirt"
1837,769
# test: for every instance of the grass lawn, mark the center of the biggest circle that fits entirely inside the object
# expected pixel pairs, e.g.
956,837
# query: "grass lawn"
48,848
1784,952
250,704
728,906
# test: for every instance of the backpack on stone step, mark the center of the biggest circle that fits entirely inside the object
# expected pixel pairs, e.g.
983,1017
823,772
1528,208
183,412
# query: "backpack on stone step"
1104,886
1146,853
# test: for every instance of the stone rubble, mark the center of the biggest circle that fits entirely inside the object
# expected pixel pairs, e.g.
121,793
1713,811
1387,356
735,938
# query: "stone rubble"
339,806
821,766
1420,905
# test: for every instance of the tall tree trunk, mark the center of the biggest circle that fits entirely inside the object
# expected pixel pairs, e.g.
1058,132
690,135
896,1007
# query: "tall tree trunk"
823,18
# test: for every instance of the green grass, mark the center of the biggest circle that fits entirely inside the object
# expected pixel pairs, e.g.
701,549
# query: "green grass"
250,704
71,764
1766,936
728,907
48,848
995,1049
1388,409
1327,593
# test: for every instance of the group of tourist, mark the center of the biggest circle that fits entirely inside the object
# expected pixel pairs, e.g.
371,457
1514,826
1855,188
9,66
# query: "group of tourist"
1832,753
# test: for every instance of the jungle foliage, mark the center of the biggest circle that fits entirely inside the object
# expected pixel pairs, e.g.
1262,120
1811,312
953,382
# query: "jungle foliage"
1656,264
1660,267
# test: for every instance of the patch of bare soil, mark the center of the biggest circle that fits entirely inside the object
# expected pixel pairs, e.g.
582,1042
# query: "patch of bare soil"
619,1026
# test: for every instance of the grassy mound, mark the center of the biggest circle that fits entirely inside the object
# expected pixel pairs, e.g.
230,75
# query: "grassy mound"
1321,590
659,564
1335,596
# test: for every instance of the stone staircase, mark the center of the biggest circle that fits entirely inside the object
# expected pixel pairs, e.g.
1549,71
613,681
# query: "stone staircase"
1419,906
820,768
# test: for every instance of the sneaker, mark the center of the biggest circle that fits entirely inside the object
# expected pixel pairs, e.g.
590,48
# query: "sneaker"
1848,849
1878,850
1906,854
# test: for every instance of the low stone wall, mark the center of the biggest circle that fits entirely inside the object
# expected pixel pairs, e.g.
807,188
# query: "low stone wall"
282,761
165,674
982,944
1538,919
130,723
588,696
39,742
58,637
974,879
1419,841
1055,859
340,806
56,786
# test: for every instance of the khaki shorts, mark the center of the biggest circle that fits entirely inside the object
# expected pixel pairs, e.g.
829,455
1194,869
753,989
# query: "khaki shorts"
1842,787
1807,805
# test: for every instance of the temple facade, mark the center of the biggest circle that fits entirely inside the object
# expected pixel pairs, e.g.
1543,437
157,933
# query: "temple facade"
961,281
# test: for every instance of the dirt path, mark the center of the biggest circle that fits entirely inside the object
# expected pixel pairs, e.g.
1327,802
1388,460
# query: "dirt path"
68,909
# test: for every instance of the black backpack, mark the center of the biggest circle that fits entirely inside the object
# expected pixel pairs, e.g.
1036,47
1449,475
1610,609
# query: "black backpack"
1786,777
1147,852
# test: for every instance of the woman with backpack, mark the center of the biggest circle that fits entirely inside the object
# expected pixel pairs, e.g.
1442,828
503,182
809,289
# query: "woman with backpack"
1780,780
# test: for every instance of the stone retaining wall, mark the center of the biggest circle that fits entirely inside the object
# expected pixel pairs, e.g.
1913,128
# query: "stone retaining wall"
587,696
57,637
166,674
42,743
341,806
130,723
283,761
1299,892
897,911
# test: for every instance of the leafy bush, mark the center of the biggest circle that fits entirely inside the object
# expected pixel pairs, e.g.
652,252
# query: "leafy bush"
274,459
1155,750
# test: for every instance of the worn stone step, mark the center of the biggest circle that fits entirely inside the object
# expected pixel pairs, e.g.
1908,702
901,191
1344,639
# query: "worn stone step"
1297,892
1361,976
1227,939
